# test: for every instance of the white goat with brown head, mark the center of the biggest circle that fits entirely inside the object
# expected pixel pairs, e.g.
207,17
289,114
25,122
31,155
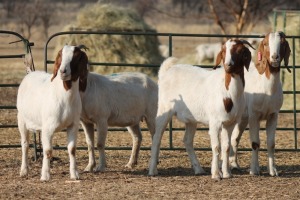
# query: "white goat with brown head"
264,98
51,104
198,95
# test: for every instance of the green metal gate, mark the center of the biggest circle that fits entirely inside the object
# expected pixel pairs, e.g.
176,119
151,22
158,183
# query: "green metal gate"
170,38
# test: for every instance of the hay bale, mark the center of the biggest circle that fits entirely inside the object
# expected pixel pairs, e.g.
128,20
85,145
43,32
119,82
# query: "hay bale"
105,48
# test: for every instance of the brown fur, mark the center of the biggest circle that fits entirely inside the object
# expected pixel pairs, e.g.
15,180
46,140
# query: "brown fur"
228,104
255,146
263,65
242,57
49,154
78,68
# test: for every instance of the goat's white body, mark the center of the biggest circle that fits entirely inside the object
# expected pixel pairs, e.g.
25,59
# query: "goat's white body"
208,51
264,99
121,100
196,95
47,107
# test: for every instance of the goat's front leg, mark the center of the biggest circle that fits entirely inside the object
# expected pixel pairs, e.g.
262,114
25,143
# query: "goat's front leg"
72,140
89,137
225,141
136,135
214,130
255,143
47,136
271,129
101,139
188,142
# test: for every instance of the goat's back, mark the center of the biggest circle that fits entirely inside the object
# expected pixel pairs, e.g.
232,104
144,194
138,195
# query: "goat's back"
191,92
122,99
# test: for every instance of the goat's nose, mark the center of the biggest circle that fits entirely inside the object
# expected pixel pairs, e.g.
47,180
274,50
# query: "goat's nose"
275,56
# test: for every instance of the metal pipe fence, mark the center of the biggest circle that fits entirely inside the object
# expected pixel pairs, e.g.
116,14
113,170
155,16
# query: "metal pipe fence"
170,38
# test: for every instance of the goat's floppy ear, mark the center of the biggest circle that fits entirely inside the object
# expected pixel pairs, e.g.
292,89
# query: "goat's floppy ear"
261,63
83,74
219,58
285,52
247,58
56,64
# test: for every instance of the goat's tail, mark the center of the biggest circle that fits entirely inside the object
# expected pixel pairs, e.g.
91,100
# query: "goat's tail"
28,62
167,64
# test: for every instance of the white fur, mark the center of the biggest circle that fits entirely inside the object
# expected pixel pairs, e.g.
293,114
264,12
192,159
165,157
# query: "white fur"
122,100
196,95
47,107
264,99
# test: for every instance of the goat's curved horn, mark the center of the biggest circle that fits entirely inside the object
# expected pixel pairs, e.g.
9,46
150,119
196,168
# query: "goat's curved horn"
246,42
82,46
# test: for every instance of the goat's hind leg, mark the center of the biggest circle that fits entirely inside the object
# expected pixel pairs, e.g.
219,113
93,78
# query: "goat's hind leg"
189,145
161,124
101,139
136,135
235,140
89,137
24,133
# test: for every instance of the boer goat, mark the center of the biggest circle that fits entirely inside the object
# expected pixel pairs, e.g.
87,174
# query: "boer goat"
123,100
264,98
51,104
197,95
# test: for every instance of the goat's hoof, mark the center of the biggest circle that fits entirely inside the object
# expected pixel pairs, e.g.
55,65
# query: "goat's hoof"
45,178
273,172
216,178
227,175
254,173
24,173
89,169
201,172
74,176
235,166
100,169
153,173
130,165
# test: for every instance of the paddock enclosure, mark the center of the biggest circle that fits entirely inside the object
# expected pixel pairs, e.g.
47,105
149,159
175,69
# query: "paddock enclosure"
176,179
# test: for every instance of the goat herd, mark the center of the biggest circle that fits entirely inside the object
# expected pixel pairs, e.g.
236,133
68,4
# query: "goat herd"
227,99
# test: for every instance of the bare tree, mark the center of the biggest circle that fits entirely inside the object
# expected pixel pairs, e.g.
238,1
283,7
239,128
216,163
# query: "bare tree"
244,14
27,14
144,6
46,16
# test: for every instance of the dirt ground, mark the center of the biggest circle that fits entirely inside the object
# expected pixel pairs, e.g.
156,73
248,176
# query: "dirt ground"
176,179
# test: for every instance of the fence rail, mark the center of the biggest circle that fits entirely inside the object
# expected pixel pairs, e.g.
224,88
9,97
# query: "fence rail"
170,38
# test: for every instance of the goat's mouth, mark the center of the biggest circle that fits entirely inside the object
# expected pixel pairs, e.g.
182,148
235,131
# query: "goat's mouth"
275,63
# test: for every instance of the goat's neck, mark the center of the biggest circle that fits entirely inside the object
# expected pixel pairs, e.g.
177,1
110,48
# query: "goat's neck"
66,87
234,83
272,79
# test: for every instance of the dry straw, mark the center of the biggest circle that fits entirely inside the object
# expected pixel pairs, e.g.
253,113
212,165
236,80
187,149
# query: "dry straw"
139,49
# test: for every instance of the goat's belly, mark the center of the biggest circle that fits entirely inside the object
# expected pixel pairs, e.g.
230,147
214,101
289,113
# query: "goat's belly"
188,117
124,121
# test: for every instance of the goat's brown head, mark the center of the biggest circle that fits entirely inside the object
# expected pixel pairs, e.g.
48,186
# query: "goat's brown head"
234,55
71,63
271,51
